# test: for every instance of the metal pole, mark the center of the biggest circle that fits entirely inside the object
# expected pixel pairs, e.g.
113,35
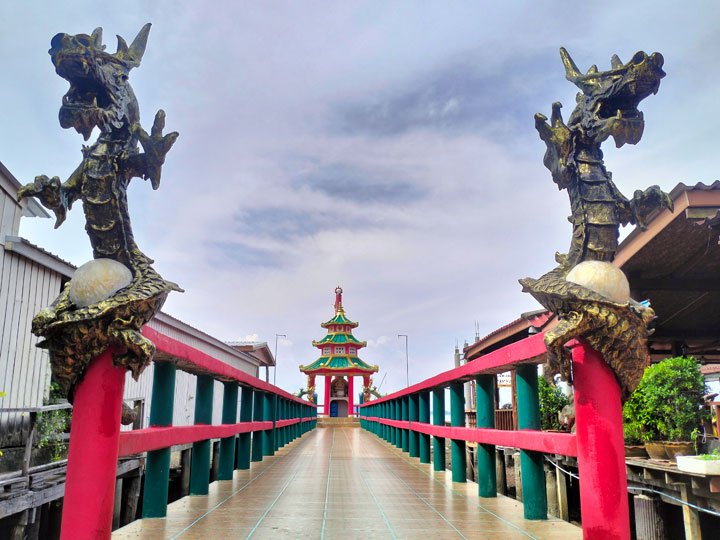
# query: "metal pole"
407,363
275,370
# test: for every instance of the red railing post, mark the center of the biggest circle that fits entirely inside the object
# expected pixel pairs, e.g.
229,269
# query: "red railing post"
93,453
600,447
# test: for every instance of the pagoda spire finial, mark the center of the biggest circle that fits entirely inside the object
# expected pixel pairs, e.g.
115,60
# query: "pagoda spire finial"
338,299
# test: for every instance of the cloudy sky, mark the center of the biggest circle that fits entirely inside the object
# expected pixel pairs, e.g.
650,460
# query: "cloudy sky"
384,146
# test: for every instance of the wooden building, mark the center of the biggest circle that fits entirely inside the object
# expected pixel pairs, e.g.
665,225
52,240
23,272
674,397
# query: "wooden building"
30,278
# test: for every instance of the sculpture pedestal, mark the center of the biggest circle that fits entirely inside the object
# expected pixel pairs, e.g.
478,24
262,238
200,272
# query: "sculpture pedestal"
93,453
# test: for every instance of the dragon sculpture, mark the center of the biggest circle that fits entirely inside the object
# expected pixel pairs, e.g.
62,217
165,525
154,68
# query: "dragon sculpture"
606,106
101,96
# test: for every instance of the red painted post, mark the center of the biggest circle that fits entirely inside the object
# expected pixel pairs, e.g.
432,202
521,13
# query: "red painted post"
92,457
351,391
600,446
327,395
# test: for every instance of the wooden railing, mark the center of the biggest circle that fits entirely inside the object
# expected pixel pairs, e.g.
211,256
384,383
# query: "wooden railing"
269,419
403,419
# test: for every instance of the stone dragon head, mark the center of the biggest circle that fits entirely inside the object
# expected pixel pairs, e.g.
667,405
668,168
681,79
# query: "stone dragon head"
607,105
100,94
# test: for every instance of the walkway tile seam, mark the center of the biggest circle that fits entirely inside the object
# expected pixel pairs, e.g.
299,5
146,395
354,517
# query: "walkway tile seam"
234,493
377,504
477,504
327,486
269,508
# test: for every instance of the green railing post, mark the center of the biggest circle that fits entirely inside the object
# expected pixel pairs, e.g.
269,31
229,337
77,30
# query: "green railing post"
457,419
277,432
404,417
397,416
424,417
413,417
438,420
226,459
200,464
257,437
382,413
243,443
268,447
485,414
157,471
531,463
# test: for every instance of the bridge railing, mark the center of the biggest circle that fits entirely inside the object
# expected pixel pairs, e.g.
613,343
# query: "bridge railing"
269,419
403,419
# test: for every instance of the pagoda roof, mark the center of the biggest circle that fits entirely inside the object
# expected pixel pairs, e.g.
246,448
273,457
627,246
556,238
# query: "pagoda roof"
339,318
339,338
338,363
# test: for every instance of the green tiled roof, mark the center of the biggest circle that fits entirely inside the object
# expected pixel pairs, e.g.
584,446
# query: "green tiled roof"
339,338
338,363
339,318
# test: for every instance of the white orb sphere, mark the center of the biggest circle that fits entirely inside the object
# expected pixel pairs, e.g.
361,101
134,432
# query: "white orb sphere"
97,280
603,278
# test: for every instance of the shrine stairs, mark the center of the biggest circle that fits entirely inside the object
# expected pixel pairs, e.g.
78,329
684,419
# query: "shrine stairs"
331,421
344,483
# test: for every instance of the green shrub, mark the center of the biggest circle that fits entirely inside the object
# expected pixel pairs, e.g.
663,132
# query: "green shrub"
667,403
552,400
51,425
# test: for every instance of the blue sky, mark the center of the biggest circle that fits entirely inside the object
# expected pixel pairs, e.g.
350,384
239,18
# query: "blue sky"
387,147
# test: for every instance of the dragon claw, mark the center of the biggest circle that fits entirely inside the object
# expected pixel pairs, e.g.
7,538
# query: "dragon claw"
156,146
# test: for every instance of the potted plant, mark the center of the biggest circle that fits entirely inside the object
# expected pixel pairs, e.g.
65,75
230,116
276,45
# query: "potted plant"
666,408
634,438
708,464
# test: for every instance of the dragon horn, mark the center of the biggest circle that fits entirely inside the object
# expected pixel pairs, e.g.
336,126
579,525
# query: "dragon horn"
97,38
572,73
133,54
585,83
615,61
122,48
137,47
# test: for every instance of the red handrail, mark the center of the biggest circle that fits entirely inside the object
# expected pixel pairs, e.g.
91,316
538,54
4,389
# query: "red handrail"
96,441
597,443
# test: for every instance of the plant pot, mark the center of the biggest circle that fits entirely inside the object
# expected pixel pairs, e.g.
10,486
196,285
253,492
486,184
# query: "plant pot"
681,448
635,450
656,450
694,464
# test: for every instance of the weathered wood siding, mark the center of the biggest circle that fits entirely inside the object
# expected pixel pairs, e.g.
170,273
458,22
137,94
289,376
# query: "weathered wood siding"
25,288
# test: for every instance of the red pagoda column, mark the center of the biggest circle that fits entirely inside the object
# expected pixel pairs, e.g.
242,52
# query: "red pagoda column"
327,395
351,392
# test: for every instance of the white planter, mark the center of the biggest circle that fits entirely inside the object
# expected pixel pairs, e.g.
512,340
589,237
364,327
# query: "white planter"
694,464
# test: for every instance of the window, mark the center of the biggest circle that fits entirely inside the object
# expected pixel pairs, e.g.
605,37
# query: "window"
339,350
352,350
326,350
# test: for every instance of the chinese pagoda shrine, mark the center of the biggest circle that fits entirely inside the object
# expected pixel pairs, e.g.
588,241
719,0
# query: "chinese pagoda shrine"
339,363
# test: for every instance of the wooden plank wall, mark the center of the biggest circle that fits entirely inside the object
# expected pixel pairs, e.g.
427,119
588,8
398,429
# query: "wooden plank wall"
25,288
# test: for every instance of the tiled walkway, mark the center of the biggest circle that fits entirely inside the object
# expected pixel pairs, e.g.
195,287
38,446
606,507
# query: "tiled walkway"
344,483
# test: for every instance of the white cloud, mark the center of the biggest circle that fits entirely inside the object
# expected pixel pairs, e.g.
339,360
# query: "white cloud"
449,214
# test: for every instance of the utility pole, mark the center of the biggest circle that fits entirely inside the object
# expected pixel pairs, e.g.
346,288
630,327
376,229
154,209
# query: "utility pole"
407,362
276,343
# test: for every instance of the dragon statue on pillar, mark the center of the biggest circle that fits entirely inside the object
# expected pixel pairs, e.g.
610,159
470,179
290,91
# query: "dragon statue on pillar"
606,107
101,96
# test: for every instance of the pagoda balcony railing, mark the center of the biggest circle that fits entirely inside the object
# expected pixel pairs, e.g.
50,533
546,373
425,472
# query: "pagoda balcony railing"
403,419
269,418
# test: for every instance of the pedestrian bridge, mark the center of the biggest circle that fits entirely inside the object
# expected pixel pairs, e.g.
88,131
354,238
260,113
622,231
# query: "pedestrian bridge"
278,475
345,483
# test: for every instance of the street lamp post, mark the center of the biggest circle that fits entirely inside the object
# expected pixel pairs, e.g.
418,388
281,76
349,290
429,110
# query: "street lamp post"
407,363
276,342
